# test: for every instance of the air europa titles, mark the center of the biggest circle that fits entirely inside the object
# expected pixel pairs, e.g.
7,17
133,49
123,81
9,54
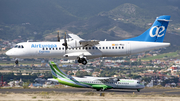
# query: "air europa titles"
43,46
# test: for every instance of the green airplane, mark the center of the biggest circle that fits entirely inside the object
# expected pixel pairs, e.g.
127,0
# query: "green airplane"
98,83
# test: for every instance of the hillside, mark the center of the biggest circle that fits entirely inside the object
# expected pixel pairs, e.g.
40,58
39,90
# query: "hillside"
102,19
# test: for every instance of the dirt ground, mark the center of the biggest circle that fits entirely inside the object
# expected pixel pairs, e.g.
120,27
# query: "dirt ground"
88,96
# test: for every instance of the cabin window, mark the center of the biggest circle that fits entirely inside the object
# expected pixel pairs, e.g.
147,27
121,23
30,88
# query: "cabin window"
62,48
96,48
106,47
86,48
46,48
79,48
116,47
43,48
112,47
103,47
109,47
119,47
59,48
49,48
92,47
122,47
99,47
52,48
89,47
56,48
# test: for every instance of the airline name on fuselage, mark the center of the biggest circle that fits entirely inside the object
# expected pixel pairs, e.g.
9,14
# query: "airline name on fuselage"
43,46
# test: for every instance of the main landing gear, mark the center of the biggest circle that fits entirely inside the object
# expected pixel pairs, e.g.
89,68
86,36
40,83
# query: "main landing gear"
82,60
100,89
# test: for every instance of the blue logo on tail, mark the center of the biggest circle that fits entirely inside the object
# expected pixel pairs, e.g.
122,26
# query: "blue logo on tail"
156,33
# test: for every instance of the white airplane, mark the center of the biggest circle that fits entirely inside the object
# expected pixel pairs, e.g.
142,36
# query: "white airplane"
80,49
98,83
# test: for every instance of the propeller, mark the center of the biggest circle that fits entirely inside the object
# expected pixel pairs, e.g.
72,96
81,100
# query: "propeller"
58,37
65,42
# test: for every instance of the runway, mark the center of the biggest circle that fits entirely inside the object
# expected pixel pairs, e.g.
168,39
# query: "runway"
83,90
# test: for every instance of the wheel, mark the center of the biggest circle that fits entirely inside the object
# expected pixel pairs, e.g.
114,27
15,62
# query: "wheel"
16,62
79,61
84,62
138,90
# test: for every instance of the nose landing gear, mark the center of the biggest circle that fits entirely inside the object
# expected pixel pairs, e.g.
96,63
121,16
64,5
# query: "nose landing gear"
16,62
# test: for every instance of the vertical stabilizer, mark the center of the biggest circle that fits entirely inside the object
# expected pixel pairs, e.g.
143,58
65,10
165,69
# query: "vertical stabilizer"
156,32
56,72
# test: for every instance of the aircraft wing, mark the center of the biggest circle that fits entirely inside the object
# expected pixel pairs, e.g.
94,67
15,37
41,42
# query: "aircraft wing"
106,79
84,42
74,36
89,42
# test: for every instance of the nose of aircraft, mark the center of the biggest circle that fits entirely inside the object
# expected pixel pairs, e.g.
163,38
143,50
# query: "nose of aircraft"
142,86
8,53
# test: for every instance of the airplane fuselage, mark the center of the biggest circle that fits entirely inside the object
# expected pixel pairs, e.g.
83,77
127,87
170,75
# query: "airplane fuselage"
103,49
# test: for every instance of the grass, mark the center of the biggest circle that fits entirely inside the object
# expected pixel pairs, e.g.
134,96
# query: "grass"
161,56
90,93
34,97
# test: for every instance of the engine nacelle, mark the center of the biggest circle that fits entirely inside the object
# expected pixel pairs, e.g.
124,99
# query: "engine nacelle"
74,44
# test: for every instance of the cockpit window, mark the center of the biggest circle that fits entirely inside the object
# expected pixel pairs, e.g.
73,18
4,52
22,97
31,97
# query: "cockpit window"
138,82
16,46
19,46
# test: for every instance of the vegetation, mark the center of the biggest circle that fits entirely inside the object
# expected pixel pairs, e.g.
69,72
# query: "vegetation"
161,56
26,78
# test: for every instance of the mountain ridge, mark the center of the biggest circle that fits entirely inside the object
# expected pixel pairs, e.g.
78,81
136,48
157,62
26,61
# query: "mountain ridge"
103,19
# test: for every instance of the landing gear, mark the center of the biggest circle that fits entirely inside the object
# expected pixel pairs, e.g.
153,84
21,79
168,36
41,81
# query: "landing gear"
16,62
138,90
82,60
100,89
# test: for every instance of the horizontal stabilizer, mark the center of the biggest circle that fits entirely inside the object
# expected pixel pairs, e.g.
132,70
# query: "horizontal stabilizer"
52,79
164,20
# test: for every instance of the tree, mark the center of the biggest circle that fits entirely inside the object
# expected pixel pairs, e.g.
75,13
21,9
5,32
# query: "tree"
81,73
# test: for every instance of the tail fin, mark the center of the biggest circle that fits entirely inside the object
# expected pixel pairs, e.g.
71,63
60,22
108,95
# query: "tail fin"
157,31
62,77
56,72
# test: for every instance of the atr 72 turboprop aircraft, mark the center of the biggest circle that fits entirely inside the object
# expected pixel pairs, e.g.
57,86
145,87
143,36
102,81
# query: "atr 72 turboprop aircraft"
98,83
80,49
